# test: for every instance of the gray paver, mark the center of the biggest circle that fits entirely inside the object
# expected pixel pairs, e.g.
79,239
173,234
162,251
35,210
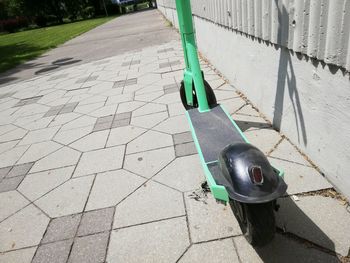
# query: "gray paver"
182,138
185,149
322,220
53,252
19,170
221,251
61,228
172,233
89,249
96,221
4,171
281,249
209,220
9,184
151,202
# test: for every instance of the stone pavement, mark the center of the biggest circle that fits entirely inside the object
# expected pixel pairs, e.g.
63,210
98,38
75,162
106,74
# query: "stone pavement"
98,165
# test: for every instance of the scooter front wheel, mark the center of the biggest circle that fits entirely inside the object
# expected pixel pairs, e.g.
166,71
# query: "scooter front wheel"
257,221
208,91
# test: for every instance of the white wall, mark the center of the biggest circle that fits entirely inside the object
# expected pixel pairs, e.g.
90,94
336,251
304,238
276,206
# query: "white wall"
306,99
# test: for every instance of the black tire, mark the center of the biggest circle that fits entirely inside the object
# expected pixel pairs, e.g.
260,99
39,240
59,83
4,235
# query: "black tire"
208,91
257,221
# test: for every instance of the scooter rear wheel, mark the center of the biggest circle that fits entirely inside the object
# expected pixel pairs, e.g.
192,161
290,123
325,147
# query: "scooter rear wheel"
208,91
257,221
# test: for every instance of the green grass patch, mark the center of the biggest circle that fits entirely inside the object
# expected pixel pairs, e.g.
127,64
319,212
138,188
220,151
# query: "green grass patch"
17,48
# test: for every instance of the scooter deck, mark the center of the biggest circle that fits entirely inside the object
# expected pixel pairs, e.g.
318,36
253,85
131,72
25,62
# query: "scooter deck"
212,131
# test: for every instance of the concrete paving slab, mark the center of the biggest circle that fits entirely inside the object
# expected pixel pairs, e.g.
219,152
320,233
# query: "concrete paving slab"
19,256
151,202
300,178
173,125
38,150
93,141
281,249
89,249
61,228
11,202
321,220
264,139
162,241
112,187
149,141
220,251
183,174
61,158
148,163
53,252
149,121
23,229
124,135
69,198
96,221
209,220
100,160
36,185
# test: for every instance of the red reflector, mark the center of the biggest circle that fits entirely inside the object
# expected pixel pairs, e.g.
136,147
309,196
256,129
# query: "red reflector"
257,175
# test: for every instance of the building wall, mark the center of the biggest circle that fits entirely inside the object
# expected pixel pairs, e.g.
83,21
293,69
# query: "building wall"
305,94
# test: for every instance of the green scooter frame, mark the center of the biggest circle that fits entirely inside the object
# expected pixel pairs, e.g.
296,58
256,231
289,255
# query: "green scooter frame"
236,171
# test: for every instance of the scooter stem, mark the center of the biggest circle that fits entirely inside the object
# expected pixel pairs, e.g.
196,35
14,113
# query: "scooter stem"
193,69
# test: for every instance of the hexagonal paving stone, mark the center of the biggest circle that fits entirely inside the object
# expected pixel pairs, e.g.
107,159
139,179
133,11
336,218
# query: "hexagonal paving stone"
39,135
281,249
149,163
18,256
210,220
63,157
162,241
11,135
286,151
36,185
300,178
68,136
23,229
151,202
220,251
322,220
11,202
150,120
11,156
100,160
123,135
112,187
264,139
173,125
149,141
184,173
149,108
93,141
69,198
39,150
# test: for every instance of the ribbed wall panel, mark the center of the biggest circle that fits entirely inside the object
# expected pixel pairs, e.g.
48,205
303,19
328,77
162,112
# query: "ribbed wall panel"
318,28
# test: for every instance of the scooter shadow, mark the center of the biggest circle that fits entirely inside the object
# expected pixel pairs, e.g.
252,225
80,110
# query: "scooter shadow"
294,244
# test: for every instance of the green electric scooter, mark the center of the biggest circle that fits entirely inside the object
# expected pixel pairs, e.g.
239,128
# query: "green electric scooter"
237,172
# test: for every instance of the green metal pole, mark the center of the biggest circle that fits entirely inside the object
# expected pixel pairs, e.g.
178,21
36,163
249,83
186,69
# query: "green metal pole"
190,52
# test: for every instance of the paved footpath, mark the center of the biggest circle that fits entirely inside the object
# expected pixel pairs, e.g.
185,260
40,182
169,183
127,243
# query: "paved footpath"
98,165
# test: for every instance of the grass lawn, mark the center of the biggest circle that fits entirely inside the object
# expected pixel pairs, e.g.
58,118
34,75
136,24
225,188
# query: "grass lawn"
17,48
